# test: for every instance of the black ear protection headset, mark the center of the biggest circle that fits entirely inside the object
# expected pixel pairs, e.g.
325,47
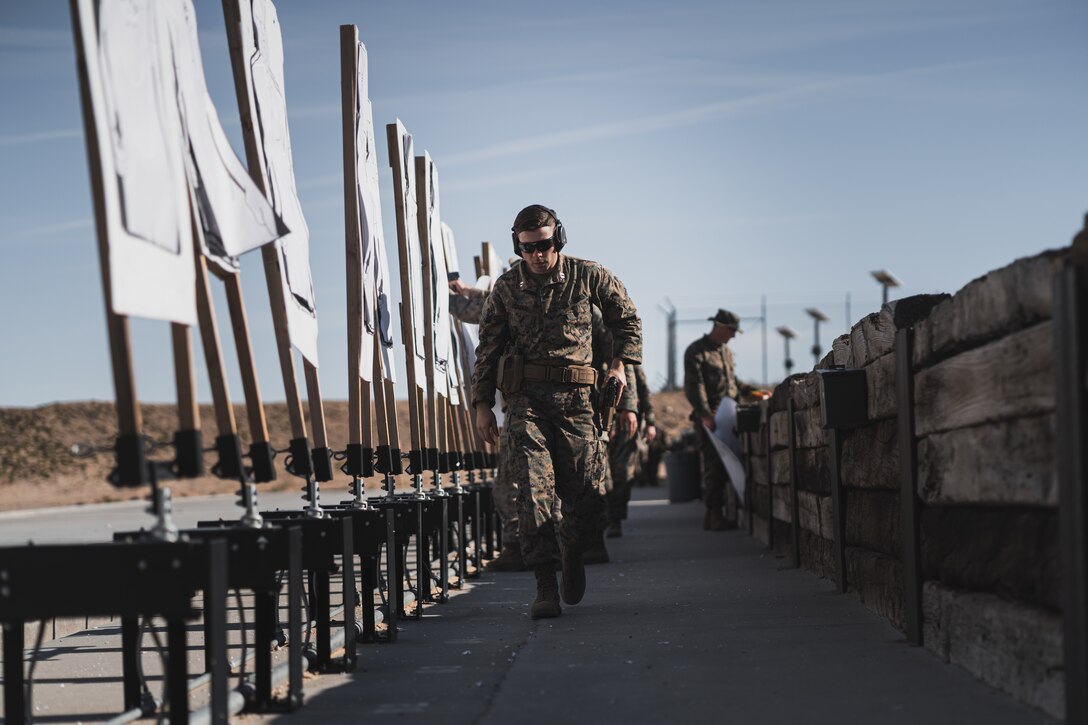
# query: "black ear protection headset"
560,235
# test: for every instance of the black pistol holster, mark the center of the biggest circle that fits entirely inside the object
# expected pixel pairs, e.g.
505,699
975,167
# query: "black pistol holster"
608,398
511,373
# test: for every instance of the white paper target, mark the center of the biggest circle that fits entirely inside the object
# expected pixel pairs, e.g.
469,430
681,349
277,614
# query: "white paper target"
376,317
124,48
262,44
439,292
235,216
732,463
413,296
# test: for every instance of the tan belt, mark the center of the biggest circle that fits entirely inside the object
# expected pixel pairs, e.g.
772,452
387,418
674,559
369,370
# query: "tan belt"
574,374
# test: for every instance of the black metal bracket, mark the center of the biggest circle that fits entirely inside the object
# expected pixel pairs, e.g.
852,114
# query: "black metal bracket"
262,459
322,464
416,462
189,454
229,449
388,460
298,458
795,507
132,469
909,505
1071,384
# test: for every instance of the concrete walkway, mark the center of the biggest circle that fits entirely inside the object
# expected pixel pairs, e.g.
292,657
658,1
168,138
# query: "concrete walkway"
682,626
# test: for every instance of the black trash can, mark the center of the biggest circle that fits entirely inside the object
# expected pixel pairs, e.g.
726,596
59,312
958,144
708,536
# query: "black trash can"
682,469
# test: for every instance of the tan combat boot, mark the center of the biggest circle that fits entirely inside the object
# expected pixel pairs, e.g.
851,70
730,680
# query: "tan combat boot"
546,605
509,560
714,521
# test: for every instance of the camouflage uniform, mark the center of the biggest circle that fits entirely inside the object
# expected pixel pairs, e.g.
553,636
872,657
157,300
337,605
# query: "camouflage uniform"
469,308
709,379
623,450
556,450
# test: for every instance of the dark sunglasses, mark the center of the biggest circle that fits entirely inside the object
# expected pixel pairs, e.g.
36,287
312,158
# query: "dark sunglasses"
542,246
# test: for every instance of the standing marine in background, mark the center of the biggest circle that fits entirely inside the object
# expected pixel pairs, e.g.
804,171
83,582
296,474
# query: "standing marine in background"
467,305
709,379
536,346
623,453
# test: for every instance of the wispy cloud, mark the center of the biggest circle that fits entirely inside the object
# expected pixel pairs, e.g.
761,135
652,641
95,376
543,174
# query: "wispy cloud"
493,180
320,182
47,230
34,38
58,228
694,114
308,112
22,139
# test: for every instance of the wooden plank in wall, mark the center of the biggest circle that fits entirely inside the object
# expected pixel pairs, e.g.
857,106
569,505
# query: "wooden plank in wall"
1008,378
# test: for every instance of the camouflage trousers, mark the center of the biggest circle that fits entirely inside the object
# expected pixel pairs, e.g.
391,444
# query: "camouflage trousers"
716,492
623,467
505,493
556,453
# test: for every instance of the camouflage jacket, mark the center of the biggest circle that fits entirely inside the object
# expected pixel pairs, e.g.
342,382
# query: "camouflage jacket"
708,376
469,307
548,319
602,358
645,403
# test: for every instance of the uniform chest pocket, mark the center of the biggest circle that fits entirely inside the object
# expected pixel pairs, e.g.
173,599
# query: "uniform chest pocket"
577,310
714,375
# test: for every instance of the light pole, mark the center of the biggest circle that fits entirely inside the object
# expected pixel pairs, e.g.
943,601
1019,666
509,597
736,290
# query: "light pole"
787,334
670,317
886,280
817,318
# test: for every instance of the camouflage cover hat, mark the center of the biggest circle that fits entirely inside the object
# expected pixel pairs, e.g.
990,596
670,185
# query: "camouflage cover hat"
727,318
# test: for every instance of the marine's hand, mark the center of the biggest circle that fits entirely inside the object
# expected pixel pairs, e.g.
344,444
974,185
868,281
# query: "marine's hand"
486,424
626,423
709,422
615,370
458,287
651,433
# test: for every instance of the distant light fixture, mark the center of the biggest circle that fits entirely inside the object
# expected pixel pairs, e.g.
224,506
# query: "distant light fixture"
817,318
886,280
787,334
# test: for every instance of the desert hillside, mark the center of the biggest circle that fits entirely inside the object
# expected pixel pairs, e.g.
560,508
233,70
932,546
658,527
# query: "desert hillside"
37,468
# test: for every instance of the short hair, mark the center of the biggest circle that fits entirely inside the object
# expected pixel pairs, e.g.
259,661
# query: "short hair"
533,217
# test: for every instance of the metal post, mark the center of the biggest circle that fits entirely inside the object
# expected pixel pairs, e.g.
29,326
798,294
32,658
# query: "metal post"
834,447
763,332
177,671
14,683
294,617
215,614
1071,370
749,495
770,482
391,573
347,581
909,505
795,508
130,668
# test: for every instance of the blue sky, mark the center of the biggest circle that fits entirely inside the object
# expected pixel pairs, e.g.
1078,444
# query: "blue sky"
707,152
